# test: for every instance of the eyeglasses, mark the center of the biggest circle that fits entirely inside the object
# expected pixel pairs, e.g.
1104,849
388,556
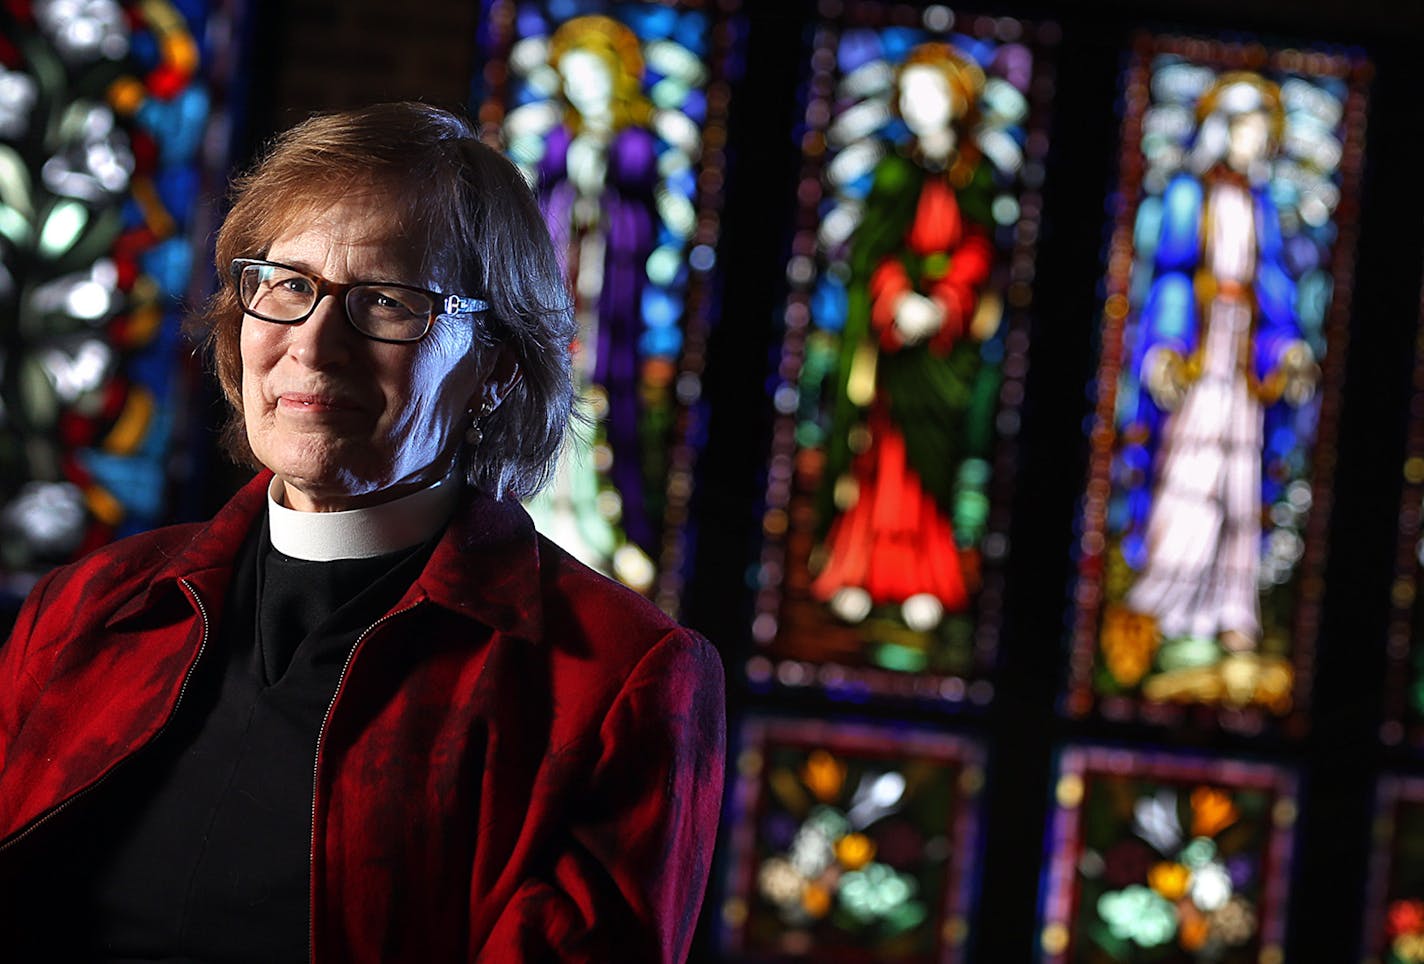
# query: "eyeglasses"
380,310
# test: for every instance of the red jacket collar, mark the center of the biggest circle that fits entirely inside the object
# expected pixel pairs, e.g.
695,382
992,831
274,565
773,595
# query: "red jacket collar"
486,565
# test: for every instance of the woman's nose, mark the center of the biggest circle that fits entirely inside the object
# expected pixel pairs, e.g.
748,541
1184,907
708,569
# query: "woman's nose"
325,339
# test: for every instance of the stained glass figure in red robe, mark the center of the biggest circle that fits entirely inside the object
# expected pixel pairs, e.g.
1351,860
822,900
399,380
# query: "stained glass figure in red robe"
918,262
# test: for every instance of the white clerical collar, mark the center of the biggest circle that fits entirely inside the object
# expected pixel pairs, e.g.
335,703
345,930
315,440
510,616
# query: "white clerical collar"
360,533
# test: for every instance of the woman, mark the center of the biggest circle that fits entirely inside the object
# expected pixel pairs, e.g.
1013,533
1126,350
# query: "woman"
365,713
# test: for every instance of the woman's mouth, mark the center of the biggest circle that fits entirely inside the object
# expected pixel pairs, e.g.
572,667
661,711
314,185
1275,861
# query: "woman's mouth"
306,402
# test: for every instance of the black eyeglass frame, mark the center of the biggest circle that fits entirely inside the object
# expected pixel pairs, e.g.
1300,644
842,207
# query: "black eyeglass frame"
441,303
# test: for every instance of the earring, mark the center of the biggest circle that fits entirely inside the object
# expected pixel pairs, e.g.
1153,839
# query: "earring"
475,434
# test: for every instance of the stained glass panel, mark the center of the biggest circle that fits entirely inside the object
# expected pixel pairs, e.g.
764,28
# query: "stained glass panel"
106,118
851,843
616,112
1394,931
1228,286
901,373
1163,858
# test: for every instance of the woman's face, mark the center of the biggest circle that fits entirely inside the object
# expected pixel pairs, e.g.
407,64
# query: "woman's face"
342,420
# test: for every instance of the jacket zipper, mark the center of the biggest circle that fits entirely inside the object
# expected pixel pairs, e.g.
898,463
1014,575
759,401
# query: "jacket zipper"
65,804
316,771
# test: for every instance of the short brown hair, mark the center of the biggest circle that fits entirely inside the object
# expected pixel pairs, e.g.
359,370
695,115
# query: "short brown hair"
476,225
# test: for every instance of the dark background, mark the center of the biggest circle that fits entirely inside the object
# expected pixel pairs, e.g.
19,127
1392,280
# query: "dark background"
307,56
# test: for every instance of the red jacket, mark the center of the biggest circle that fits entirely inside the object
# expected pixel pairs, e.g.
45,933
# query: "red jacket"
523,760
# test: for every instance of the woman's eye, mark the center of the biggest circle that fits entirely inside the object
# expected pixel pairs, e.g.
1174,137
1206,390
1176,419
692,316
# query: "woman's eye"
296,286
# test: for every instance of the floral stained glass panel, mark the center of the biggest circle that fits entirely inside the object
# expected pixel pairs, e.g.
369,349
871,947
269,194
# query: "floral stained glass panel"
1394,931
616,113
851,843
106,130
1228,286
904,352
1168,859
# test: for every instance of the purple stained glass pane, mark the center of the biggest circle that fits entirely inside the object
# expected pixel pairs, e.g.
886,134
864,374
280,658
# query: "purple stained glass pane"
617,115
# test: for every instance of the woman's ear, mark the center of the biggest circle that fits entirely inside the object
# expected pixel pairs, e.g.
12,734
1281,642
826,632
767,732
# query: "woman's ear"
503,375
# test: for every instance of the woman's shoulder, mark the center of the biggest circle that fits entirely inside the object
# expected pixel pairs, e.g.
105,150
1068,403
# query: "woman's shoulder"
180,550
111,574
585,609
137,555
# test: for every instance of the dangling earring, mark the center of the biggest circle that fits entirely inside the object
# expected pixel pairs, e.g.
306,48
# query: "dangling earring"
475,434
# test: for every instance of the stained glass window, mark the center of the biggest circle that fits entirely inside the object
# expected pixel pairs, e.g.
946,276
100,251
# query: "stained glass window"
851,843
901,373
1167,858
1394,932
105,117
616,112
1228,287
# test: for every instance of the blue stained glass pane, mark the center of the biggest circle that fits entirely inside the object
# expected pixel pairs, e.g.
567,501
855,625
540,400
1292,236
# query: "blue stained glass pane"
1117,513
1312,298
649,21
895,130
1181,224
1271,489
1275,293
684,183
154,366
1301,255
1148,227
176,125
563,9
1135,458
195,12
692,32
1134,547
899,41
829,304
982,51
857,48
136,482
170,263
131,215
660,342
1170,310
530,22
144,47
178,189
992,351
525,94
695,107
661,308
859,187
